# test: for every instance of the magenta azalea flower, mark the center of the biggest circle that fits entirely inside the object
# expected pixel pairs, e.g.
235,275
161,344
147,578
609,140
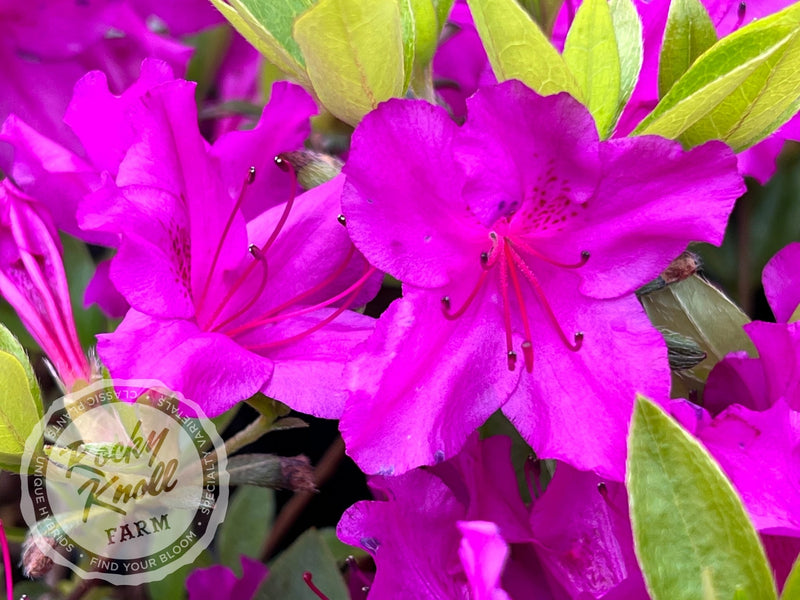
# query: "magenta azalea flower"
519,238
33,281
220,583
107,126
781,278
483,553
224,306
460,65
443,533
412,531
758,383
48,46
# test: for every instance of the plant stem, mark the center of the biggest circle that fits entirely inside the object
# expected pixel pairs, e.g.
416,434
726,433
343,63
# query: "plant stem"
293,508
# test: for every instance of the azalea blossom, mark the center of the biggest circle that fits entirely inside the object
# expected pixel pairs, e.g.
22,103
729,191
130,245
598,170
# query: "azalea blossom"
221,583
781,279
461,530
519,239
107,125
222,305
33,281
48,46
758,383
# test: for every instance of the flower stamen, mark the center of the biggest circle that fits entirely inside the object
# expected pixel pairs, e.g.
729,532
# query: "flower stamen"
308,578
248,180
577,342
527,345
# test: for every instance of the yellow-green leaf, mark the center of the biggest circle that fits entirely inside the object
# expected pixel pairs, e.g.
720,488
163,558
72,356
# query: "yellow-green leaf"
518,49
353,53
19,412
791,589
267,25
691,532
689,33
740,90
544,12
628,31
10,344
591,53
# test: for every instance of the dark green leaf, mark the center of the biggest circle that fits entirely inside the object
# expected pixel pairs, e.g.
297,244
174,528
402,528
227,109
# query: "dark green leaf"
246,525
308,553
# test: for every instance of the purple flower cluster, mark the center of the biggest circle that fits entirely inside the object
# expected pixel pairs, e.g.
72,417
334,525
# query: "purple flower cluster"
519,238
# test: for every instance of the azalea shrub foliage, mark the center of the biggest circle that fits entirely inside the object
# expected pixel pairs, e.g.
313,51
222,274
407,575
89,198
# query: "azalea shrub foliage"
548,397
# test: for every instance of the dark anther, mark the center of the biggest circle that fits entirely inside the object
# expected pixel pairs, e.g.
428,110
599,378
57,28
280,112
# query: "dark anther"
282,164
342,220
254,250
446,302
251,174
484,258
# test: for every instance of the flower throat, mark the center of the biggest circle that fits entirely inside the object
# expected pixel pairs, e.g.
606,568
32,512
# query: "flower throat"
507,256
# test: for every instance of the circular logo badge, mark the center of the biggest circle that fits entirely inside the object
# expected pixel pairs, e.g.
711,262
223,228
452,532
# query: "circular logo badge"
124,481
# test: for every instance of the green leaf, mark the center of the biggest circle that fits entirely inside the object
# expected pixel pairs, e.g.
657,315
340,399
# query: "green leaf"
11,345
308,553
689,32
691,532
518,49
739,91
697,310
210,48
354,54
544,12
267,25
19,412
791,589
442,10
246,525
408,29
426,39
591,53
628,31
